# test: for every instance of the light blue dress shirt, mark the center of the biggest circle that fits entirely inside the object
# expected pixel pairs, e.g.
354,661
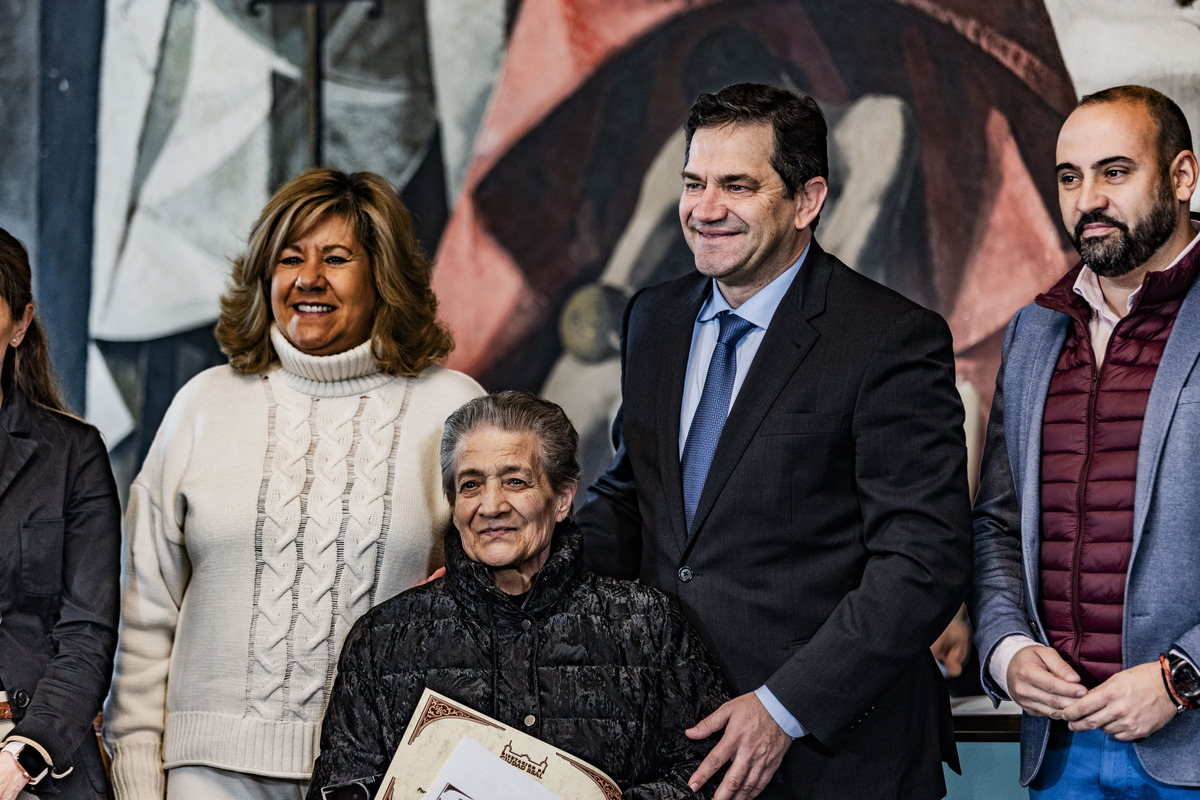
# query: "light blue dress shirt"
759,309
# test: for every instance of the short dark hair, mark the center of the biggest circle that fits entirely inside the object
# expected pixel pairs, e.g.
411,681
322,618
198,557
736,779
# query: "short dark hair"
1174,135
517,412
801,151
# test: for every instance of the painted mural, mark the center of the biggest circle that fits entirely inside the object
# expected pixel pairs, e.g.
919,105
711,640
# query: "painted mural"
539,145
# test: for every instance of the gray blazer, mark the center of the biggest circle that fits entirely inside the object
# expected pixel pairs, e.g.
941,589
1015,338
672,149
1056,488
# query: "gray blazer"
1162,587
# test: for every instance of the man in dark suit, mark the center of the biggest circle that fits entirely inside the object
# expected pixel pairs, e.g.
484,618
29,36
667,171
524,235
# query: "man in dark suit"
791,465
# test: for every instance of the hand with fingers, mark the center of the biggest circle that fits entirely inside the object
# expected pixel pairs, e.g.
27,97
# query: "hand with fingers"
753,745
1130,705
953,646
12,778
1041,682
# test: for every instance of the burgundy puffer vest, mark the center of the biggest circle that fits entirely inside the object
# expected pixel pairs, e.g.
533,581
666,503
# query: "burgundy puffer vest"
1090,434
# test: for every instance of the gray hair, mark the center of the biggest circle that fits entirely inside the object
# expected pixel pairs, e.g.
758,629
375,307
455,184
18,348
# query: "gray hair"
516,412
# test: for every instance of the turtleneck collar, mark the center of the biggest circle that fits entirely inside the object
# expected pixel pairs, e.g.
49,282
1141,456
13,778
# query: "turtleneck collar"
342,375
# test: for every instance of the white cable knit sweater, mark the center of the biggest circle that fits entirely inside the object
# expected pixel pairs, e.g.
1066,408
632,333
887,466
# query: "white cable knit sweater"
272,511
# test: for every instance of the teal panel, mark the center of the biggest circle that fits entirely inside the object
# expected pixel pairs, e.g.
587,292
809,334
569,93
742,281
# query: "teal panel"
990,772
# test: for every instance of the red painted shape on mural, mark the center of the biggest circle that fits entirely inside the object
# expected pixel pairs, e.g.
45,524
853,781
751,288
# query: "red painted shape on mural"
484,296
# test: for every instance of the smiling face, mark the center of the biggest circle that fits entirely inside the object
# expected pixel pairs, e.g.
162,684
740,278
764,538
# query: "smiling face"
1117,199
504,508
736,214
322,292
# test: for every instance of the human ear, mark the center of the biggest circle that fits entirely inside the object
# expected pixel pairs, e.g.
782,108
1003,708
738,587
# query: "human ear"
1183,172
564,500
810,198
22,325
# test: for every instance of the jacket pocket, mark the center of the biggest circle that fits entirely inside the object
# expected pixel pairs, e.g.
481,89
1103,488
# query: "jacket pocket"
1189,394
41,556
796,644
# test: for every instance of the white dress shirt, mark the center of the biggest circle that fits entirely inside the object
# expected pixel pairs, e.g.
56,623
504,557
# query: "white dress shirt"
759,309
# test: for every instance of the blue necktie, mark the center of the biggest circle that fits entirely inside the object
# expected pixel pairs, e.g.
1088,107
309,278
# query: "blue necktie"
710,415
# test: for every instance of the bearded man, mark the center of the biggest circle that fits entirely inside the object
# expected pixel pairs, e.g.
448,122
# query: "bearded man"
1087,522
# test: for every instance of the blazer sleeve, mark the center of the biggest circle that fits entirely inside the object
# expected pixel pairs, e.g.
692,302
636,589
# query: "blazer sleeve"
611,519
69,693
911,483
997,604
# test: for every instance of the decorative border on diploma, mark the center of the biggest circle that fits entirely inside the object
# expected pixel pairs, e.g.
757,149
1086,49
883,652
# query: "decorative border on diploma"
607,787
437,709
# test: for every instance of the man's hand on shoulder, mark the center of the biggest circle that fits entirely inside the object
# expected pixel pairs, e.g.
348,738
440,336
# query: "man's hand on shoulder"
1041,682
1130,705
753,745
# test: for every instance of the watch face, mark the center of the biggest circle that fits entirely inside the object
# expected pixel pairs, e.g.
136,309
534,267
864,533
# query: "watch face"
1185,680
32,762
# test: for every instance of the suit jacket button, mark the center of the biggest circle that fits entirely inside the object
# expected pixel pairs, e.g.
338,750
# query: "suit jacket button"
529,720
685,574
21,698
526,624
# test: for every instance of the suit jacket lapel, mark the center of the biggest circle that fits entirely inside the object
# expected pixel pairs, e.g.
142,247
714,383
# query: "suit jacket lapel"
1027,382
676,343
1178,358
787,341
15,448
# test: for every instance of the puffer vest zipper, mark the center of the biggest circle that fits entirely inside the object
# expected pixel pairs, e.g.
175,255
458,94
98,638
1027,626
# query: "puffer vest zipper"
1091,429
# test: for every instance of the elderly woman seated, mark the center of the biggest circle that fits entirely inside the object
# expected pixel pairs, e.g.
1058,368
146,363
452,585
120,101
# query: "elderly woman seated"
606,670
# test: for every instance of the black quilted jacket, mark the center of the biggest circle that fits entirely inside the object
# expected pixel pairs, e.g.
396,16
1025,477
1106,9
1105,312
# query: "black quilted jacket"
607,670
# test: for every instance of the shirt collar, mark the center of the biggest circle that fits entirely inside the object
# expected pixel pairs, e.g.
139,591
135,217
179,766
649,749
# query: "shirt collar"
760,308
1087,286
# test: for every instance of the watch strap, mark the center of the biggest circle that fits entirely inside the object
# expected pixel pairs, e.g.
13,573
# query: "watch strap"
1180,705
1184,679
30,759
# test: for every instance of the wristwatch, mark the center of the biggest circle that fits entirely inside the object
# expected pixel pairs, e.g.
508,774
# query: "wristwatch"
1185,681
29,760
357,789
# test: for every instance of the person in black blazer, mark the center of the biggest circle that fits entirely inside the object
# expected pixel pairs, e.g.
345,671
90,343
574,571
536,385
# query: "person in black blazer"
60,541
830,542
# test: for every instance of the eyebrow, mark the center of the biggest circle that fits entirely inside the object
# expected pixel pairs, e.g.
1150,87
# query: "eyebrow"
507,469
325,249
724,179
1104,162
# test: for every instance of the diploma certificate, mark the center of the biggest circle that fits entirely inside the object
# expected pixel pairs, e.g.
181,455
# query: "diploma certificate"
452,752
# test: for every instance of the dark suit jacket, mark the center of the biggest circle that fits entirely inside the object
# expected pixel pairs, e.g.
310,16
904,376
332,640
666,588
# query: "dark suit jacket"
60,543
831,543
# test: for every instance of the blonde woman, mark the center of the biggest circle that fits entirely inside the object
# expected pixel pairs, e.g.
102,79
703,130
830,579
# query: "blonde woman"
284,495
